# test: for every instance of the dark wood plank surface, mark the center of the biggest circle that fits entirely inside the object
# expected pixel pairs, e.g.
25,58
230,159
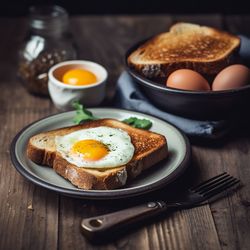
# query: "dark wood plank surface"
35,218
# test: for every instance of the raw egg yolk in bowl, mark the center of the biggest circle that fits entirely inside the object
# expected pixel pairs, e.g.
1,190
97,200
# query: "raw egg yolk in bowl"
79,77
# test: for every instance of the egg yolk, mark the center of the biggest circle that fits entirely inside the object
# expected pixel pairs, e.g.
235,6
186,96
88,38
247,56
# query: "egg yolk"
79,77
91,150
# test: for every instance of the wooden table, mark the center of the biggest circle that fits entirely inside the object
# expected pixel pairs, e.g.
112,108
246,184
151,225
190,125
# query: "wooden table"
32,217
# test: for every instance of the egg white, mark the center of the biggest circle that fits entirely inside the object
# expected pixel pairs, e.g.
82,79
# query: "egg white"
121,150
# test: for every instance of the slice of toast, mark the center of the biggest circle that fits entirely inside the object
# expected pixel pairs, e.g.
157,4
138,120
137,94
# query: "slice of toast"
150,148
190,46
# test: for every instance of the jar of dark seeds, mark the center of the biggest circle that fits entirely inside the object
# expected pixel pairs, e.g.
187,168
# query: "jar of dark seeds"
48,42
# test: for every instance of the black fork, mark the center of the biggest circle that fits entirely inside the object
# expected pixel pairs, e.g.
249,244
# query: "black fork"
194,196
206,190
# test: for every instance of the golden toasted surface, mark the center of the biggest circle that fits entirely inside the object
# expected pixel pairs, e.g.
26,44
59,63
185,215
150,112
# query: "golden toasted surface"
200,48
188,42
180,48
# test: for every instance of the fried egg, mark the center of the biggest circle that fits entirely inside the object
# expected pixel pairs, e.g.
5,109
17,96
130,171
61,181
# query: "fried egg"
100,147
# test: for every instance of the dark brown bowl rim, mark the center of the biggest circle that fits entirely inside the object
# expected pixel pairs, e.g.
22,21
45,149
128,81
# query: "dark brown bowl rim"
156,86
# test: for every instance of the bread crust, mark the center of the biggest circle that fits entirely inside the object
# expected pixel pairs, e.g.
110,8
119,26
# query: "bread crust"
145,156
40,156
163,70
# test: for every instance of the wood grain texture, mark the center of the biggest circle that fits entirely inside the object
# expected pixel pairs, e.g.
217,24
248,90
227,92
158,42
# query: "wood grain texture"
105,40
29,214
35,218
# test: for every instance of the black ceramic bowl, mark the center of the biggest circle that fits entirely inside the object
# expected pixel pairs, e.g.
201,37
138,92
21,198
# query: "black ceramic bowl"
204,105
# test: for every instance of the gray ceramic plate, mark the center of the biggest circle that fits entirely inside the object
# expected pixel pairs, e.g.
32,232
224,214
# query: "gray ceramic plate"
154,178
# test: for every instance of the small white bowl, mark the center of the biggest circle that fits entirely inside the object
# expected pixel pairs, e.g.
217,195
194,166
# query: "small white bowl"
63,94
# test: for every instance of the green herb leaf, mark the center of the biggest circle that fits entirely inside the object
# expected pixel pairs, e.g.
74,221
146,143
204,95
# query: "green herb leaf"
130,120
82,114
138,123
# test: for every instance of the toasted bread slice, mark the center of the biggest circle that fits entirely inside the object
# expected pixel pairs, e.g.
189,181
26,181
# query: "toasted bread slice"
200,48
150,148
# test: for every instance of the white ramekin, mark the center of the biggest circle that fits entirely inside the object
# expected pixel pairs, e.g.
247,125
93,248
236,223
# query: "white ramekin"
63,94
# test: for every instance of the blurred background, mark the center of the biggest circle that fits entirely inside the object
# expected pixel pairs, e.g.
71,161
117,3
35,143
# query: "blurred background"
97,7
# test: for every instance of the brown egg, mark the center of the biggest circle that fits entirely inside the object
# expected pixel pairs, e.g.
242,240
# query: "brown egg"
232,77
188,80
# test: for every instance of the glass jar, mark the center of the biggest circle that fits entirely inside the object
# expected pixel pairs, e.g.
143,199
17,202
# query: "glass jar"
48,42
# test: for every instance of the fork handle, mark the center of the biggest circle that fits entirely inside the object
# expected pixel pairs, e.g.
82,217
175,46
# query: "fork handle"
112,222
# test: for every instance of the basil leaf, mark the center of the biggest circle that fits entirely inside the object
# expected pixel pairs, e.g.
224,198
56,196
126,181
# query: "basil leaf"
82,114
138,123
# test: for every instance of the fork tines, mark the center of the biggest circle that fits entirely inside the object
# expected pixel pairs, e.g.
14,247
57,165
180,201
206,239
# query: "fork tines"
215,185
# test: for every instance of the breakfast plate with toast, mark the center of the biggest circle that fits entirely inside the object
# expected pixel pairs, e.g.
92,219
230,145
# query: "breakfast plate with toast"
100,159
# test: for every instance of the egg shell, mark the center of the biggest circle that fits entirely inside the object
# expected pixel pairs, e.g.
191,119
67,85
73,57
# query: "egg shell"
188,80
232,77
